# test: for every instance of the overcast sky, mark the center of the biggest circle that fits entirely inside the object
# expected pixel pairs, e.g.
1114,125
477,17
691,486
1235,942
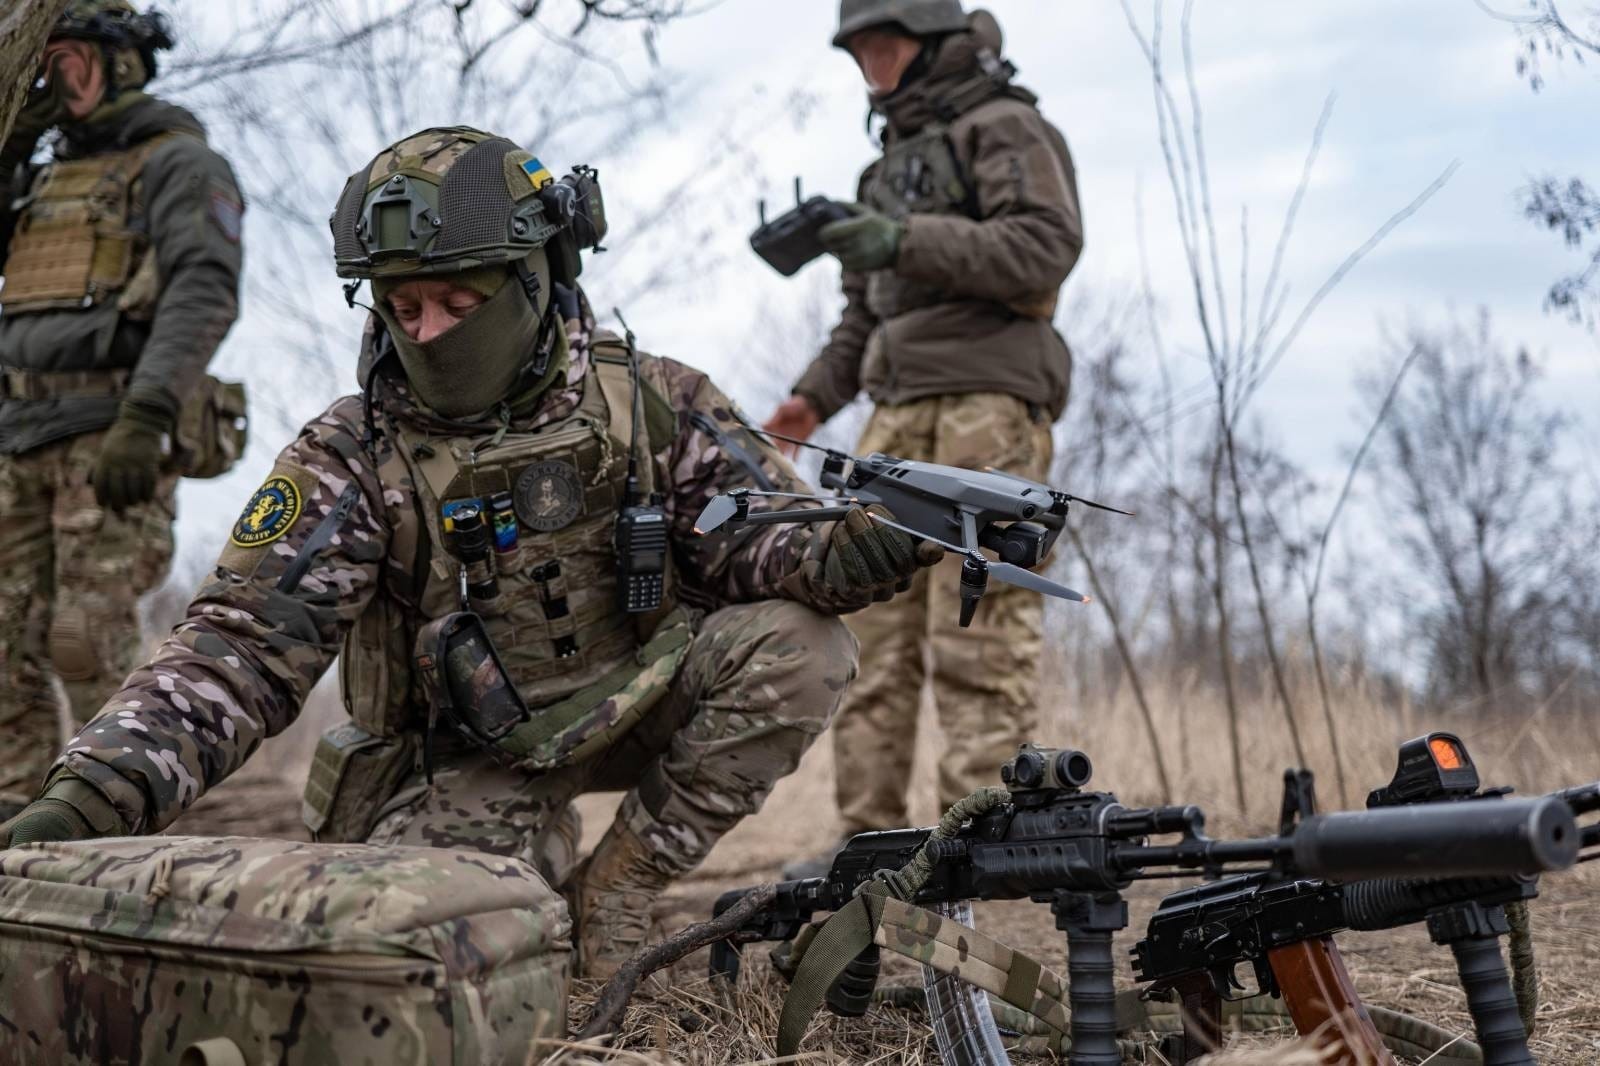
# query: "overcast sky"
1419,85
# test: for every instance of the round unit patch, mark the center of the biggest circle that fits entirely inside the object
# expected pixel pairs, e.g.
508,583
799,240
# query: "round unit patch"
549,496
269,514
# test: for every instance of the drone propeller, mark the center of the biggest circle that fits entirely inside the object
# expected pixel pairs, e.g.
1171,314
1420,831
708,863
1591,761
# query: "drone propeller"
1064,500
1010,573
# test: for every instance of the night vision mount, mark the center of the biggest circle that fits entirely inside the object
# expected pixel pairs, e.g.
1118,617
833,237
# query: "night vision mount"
962,511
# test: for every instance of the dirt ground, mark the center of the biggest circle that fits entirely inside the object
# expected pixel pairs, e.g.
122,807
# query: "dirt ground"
683,1018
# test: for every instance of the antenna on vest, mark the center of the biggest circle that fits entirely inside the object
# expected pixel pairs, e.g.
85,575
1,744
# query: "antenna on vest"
641,533
634,495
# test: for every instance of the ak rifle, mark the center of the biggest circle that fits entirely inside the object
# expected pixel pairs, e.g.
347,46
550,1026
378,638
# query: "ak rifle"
1200,940
1049,840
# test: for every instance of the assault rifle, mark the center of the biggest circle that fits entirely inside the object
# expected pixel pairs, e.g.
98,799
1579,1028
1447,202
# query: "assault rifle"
1051,841
1198,940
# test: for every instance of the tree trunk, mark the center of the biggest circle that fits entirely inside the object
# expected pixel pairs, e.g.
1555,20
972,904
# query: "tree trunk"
24,27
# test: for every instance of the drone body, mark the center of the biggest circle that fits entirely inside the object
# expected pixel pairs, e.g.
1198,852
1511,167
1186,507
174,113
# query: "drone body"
961,510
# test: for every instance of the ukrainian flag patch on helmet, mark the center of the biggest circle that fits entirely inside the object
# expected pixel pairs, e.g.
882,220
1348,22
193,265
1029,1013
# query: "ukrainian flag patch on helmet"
537,173
269,514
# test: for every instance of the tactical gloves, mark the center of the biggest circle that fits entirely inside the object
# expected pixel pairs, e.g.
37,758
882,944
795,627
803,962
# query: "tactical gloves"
869,557
70,809
133,452
869,241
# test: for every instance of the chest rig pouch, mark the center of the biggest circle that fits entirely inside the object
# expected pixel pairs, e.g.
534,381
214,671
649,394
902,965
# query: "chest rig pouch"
583,671
74,247
921,175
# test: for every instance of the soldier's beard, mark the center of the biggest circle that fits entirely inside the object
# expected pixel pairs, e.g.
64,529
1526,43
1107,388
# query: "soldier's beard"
476,364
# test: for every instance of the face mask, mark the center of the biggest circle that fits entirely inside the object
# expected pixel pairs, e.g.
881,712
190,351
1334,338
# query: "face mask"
476,364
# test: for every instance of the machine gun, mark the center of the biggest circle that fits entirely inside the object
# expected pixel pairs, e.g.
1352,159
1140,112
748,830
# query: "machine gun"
1050,841
1017,519
1199,939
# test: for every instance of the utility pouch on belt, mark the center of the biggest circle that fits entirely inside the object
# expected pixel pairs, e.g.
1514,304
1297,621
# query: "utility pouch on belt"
465,680
353,774
213,429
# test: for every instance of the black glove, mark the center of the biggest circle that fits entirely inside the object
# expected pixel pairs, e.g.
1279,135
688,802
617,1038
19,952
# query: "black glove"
869,557
70,809
133,453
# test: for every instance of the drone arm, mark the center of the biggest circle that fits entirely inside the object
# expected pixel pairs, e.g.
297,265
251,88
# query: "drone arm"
798,516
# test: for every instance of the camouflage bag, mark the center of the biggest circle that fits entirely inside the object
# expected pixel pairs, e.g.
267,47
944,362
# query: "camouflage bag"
230,950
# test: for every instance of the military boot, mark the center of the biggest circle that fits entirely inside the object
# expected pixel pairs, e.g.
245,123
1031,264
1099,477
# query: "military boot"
612,897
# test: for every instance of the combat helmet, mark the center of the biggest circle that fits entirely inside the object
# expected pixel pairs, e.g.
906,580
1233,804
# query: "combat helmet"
920,17
456,198
118,26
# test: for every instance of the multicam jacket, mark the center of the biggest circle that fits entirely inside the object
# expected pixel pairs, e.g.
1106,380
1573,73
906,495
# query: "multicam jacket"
273,616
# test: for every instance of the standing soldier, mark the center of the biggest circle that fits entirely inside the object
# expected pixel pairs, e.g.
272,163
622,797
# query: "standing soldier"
507,458
121,261
966,229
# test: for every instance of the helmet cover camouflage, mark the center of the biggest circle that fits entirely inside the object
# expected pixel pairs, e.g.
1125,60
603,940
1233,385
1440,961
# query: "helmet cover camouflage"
446,200
920,17
120,28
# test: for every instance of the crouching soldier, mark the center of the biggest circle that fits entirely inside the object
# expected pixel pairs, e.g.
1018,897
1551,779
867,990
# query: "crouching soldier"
504,457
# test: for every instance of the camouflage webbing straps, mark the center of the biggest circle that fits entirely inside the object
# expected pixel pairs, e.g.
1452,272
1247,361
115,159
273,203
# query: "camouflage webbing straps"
874,917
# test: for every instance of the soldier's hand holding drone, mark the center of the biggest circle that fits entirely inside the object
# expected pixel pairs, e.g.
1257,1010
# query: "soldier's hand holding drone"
868,556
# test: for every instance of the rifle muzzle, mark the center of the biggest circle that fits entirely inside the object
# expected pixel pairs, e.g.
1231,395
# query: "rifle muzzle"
1489,838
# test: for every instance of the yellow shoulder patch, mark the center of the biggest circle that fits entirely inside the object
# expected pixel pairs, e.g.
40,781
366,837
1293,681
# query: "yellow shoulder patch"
271,512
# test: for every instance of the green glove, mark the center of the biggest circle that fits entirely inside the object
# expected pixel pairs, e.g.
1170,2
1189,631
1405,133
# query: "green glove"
869,241
70,809
134,449
867,557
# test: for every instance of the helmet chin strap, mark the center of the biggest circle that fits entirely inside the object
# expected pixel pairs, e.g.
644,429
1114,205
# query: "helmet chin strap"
533,287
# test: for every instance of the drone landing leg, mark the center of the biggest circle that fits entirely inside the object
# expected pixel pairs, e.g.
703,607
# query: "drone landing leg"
1090,920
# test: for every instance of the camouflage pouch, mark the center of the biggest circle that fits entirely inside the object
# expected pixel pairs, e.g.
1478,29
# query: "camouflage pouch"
213,428
188,950
465,680
353,774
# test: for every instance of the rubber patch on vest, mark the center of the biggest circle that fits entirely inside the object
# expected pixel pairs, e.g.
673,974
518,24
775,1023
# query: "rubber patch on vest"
269,514
549,496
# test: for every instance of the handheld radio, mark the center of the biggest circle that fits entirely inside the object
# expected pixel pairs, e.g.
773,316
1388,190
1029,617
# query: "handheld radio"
641,533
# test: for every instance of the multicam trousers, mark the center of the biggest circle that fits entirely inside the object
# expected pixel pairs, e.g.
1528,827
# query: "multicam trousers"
71,575
758,686
985,679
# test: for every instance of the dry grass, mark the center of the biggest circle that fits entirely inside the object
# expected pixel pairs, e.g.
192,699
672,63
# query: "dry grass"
682,1018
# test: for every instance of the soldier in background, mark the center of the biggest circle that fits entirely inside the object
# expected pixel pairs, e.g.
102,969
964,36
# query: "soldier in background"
966,229
492,405
121,260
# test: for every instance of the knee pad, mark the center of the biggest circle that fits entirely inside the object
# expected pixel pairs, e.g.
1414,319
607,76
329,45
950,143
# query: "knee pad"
72,652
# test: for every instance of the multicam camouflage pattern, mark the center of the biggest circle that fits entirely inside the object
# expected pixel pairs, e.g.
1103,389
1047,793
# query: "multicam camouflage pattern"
237,669
949,947
985,679
757,687
71,574
131,951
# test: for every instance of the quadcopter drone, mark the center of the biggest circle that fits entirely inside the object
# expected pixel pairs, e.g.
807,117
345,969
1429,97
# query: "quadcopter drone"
1017,519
